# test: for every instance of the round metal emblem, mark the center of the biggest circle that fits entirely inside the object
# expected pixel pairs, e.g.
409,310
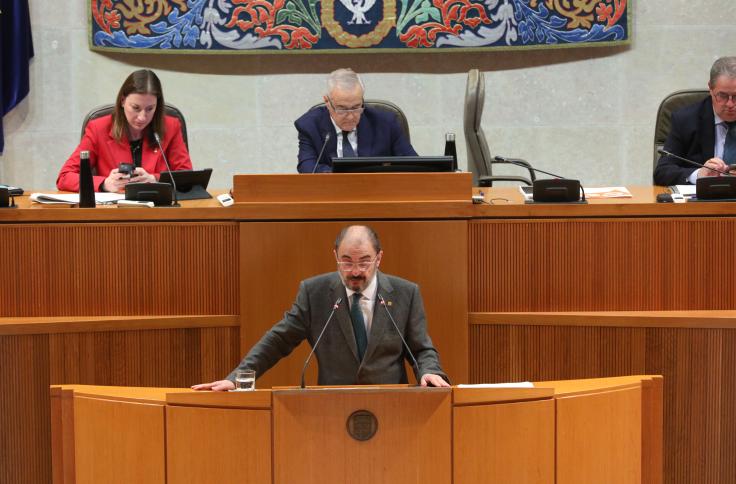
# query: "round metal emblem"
362,425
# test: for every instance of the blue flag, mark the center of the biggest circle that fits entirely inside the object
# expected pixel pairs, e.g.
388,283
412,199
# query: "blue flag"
16,51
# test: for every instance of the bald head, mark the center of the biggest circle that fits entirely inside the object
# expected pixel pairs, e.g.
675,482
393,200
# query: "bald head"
358,255
358,234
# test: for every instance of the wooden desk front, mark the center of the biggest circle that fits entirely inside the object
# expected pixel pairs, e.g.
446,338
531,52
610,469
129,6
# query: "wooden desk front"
216,278
604,431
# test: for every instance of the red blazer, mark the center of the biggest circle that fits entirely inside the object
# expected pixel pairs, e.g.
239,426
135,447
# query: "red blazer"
105,153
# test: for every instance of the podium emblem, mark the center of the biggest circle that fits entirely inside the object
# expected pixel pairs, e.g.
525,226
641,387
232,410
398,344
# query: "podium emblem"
362,425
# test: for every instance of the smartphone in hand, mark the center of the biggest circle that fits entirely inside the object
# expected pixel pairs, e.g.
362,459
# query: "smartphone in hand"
126,169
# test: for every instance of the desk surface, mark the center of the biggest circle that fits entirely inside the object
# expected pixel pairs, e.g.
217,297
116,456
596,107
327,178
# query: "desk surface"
501,202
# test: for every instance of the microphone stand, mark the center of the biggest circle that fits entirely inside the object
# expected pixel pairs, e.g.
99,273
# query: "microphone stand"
529,167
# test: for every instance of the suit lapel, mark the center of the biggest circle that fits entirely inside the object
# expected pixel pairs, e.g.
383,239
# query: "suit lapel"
119,151
342,314
365,137
149,158
326,126
708,133
381,322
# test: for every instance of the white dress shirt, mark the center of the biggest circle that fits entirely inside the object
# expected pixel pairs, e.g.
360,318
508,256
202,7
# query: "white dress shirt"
367,302
352,137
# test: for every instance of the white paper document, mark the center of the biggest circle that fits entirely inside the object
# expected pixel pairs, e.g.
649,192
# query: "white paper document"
73,198
590,192
521,384
684,190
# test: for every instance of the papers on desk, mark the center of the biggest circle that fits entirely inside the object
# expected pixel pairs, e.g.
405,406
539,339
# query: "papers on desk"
590,192
73,198
521,384
684,190
607,192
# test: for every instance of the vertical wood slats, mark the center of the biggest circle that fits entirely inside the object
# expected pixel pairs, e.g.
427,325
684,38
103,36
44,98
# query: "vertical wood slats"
600,265
30,363
697,365
119,269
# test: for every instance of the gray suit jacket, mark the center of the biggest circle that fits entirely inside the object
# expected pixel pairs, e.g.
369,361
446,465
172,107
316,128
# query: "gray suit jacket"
337,352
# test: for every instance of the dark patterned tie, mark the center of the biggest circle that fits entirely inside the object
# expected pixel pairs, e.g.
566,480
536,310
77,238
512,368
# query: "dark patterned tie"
347,148
356,315
729,147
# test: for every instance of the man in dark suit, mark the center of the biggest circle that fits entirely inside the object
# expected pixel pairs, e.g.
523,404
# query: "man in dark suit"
354,130
361,345
704,132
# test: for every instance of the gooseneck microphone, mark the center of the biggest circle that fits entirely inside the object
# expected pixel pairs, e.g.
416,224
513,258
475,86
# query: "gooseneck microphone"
408,350
662,151
527,166
537,170
319,338
322,151
168,167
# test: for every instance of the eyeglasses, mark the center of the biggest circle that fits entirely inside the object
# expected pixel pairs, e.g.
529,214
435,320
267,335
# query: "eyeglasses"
723,97
349,266
345,112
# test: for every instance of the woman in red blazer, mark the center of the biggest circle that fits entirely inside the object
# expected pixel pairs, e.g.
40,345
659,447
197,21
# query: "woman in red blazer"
127,136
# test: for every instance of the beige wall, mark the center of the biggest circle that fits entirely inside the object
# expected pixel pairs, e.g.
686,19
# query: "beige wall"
585,113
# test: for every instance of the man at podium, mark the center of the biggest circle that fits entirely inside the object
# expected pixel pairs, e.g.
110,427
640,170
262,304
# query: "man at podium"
372,321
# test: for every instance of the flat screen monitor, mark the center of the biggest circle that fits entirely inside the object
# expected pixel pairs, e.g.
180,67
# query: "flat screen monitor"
392,164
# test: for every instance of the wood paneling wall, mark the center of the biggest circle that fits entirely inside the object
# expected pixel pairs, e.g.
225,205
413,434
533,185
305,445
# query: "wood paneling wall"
30,363
600,264
275,256
119,269
697,365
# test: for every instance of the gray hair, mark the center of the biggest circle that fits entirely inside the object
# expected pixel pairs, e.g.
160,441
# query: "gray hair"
343,79
725,66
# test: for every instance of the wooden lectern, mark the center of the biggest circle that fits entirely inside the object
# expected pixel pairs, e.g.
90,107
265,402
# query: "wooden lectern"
604,431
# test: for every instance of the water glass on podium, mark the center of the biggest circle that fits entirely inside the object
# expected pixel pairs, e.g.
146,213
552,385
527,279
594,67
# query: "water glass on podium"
245,380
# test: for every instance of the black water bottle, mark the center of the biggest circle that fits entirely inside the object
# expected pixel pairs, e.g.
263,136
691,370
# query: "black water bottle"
86,185
450,149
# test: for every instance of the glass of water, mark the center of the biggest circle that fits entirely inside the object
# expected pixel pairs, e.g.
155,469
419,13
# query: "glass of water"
245,380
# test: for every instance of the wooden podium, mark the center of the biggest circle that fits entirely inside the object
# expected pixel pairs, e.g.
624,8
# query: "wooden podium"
603,430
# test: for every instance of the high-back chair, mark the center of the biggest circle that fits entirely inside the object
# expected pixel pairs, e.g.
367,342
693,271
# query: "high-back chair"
672,102
480,162
106,109
387,106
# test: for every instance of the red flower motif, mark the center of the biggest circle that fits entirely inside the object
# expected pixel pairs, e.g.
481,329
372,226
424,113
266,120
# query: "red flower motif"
454,19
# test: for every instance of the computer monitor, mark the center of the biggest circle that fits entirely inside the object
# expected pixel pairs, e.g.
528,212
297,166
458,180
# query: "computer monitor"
392,164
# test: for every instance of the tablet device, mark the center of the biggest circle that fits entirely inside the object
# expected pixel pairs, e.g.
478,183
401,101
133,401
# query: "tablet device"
190,184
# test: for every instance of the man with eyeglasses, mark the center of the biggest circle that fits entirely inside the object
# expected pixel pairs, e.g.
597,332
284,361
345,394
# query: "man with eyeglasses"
704,132
360,345
354,129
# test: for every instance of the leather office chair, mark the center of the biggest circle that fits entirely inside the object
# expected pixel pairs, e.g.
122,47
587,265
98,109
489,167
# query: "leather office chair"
384,106
106,109
479,156
672,102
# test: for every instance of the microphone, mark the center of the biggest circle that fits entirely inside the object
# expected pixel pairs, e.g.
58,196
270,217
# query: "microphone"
547,185
319,338
321,152
662,151
408,350
168,167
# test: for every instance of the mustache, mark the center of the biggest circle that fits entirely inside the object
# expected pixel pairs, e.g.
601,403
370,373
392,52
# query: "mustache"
356,278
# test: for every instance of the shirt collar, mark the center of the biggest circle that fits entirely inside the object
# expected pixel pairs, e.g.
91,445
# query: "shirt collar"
338,130
715,115
369,292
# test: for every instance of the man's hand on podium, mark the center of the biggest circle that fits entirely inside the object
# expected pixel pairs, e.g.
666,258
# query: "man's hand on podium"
432,380
215,386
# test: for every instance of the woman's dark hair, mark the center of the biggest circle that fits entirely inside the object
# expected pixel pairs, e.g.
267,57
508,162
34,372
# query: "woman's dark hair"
143,81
